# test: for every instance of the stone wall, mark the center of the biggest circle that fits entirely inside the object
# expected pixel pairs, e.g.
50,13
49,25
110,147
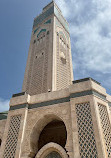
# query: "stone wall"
2,128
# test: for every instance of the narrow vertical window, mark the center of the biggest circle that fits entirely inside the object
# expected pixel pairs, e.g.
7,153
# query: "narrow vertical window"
0,142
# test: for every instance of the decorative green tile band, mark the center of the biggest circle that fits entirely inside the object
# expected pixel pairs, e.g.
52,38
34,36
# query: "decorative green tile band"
49,12
80,94
43,30
18,107
99,95
59,24
61,19
48,22
3,116
43,16
36,30
47,103
58,101
89,92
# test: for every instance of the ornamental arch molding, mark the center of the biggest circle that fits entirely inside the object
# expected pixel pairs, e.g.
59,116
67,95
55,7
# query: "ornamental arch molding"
51,147
39,126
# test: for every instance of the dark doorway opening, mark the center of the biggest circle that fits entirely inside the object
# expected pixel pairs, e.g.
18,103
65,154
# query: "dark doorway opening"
54,131
0,142
53,154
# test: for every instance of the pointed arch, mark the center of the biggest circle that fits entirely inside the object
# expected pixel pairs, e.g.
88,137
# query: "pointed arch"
37,129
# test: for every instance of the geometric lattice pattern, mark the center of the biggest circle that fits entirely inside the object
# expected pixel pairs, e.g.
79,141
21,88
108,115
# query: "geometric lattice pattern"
106,129
87,142
63,64
12,138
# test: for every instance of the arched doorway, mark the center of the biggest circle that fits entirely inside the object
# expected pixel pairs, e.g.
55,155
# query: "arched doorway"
49,128
55,131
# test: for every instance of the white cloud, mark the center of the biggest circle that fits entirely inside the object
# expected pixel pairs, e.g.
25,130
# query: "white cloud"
90,30
4,105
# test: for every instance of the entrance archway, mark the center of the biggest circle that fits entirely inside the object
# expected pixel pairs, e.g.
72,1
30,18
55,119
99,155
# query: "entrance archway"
44,128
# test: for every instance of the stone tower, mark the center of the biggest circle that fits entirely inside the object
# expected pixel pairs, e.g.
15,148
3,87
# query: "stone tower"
49,64
70,120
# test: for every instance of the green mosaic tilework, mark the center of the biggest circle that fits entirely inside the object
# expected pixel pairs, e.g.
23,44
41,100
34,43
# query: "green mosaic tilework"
58,24
18,107
89,92
47,13
47,103
36,30
57,101
99,95
59,16
3,115
42,30
43,16
48,22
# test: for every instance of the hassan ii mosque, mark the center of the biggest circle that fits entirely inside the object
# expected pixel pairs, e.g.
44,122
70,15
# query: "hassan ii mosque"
55,116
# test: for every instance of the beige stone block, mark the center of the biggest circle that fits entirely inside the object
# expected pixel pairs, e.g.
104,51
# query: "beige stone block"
49,96
108,97
19,100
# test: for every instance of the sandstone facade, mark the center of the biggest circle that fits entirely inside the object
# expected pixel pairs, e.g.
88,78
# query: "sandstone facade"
55,117
84,110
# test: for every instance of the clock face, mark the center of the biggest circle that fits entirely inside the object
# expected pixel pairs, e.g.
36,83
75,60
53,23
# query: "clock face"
53,155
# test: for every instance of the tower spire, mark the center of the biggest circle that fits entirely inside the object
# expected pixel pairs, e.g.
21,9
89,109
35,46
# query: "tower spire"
49,66
53,1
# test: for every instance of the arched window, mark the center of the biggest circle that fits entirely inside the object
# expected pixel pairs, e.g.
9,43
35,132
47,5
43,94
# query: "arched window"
53,154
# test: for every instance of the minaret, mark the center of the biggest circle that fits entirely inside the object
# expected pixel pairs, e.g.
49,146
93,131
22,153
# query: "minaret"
49,64
73,122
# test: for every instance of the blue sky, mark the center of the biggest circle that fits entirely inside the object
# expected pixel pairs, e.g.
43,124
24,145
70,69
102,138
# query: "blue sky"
90,30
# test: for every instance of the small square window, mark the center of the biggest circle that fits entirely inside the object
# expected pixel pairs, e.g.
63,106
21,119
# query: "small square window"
57,34
47,32
34,41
